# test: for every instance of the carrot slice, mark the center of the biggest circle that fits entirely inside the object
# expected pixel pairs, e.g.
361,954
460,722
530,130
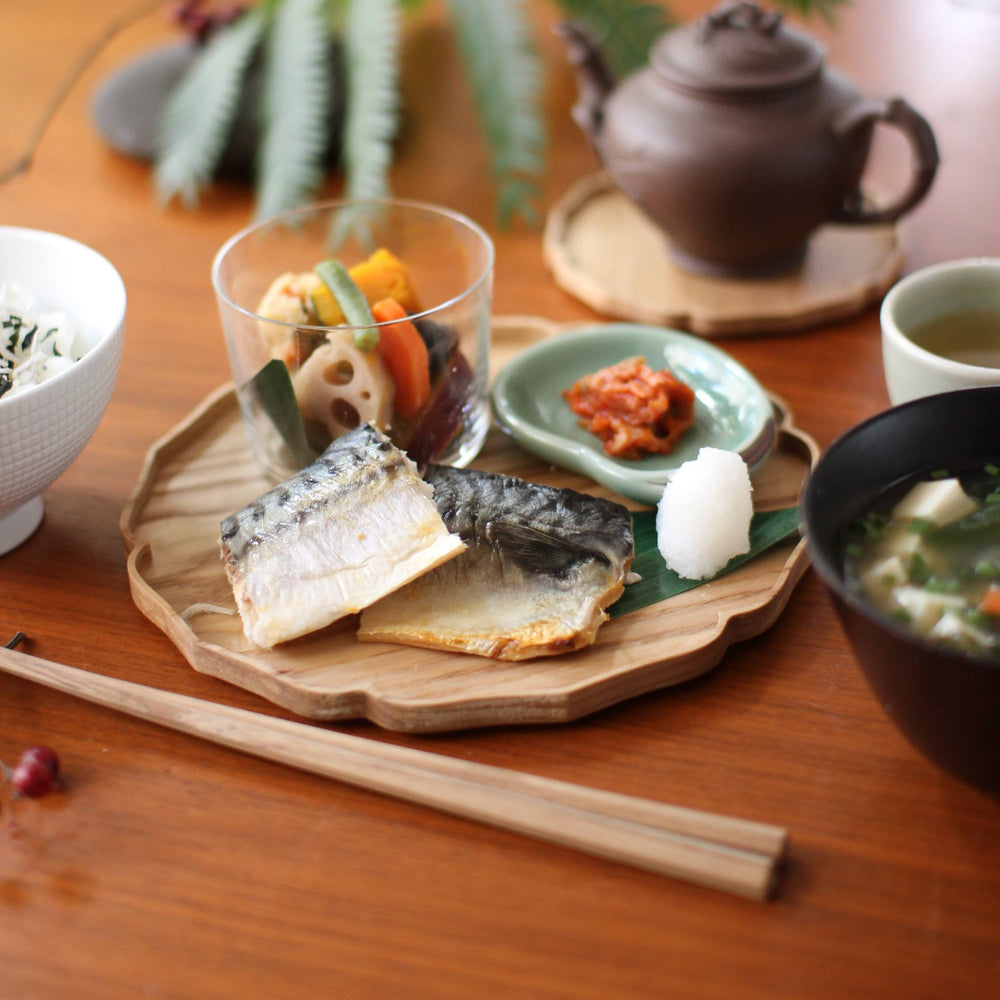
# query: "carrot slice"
990,604
405,355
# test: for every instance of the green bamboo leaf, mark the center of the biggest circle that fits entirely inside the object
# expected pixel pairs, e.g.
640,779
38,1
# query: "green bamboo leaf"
295,97
657,583
371,44
271,389
504,71
199,113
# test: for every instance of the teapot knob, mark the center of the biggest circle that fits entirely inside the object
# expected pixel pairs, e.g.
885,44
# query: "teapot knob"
742,14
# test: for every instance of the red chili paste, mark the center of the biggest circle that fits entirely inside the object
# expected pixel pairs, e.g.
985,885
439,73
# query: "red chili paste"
632,409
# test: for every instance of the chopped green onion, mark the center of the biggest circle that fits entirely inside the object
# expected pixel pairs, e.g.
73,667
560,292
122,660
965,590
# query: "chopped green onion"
976,618
917,569
978,526
352,302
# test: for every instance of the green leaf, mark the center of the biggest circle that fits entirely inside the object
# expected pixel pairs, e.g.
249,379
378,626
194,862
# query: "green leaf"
622,29
826,8
296,94
371,44
271,389
657,583
504,71
199,113
517,196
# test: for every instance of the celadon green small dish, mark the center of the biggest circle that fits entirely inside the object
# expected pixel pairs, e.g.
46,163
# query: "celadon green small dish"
732,411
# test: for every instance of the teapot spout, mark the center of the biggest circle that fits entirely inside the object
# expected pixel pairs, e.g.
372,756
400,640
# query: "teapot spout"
593,78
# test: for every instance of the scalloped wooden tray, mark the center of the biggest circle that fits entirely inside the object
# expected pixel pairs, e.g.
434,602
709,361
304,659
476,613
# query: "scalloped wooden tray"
203,470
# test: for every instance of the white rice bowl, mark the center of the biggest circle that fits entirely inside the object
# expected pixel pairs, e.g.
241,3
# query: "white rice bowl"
703,519
47,422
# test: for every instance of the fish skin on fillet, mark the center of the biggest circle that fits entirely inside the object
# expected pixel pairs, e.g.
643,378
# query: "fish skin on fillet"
356,524
541,567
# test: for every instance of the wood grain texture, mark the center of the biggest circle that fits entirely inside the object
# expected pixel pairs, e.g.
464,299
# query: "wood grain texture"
174,869
721,852
204,470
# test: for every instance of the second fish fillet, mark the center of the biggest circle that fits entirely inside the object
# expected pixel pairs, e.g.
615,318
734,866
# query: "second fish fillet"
541,566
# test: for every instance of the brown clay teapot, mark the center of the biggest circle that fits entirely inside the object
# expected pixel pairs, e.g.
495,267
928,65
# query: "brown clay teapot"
738,141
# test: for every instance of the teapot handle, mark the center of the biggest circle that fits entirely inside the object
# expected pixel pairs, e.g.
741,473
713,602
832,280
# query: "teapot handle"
897,113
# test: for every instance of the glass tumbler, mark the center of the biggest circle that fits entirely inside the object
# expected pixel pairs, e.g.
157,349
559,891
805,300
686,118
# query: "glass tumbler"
285,359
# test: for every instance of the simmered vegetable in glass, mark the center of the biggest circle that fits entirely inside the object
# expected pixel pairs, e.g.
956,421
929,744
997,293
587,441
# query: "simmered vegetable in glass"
358,352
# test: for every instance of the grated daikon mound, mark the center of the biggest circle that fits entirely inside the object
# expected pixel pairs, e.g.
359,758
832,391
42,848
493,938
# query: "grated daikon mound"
703,519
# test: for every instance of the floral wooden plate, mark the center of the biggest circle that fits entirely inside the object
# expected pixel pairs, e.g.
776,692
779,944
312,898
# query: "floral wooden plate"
203,470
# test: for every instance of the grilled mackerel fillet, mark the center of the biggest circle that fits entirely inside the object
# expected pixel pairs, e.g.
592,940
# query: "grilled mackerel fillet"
337,536
541,566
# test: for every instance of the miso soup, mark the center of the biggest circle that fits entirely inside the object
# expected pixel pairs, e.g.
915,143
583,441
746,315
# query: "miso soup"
972,338
928,556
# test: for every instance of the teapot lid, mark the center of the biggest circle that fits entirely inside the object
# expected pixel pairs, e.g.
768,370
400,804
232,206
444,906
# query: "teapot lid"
738,49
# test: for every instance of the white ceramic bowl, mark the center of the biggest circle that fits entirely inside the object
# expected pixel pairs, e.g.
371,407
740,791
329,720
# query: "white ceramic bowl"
44,428
930,294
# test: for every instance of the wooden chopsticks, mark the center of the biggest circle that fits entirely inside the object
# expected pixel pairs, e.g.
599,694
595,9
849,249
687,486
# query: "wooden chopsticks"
722,852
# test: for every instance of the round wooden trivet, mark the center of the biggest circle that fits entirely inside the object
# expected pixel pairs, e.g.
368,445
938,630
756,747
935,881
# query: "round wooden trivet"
605,252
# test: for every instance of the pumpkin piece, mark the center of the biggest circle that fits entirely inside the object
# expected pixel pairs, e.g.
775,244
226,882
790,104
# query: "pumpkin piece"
381,276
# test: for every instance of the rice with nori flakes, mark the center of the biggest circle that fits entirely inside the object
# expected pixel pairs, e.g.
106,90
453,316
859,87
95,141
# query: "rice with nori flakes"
35,344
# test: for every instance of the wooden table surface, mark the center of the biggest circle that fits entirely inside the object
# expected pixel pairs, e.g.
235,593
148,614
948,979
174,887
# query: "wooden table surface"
171,868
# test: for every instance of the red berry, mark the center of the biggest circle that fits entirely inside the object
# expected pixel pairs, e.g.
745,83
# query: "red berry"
37,772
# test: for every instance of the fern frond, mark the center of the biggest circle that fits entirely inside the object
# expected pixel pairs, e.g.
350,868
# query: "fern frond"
198,115
517,196
371,114
295,101
505,74
624,29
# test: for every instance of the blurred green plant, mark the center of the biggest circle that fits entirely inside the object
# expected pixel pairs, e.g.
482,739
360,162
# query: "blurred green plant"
292,41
